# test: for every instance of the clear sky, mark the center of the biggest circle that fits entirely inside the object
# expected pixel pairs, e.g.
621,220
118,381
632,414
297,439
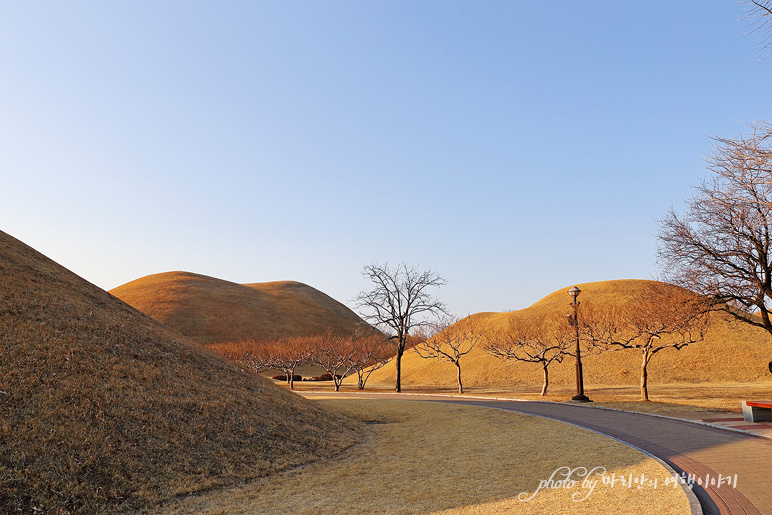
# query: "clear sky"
515,147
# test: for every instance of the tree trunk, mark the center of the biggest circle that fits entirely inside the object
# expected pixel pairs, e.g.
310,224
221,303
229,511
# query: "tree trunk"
400,351
337,382
645,375
292,379
546,379
360,383
458,371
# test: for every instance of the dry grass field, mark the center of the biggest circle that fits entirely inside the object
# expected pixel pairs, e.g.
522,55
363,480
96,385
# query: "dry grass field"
215,311
433,458
103,409
731,352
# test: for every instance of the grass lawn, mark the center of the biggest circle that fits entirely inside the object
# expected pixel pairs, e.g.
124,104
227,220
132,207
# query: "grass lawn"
422,457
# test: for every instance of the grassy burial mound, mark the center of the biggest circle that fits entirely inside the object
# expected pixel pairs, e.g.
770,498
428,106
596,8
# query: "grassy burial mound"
730,352
103,409
215,311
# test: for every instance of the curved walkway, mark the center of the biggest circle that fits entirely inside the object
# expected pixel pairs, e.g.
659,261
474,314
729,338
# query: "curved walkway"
696,449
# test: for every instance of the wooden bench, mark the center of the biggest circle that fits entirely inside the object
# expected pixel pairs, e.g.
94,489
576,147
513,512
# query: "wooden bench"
757,411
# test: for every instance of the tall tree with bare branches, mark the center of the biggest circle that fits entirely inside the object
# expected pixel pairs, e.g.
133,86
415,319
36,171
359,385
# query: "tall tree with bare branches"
533,341
759,13
400,303
451,340
662,317
721,246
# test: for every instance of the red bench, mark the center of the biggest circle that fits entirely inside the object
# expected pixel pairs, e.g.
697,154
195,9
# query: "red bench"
757,411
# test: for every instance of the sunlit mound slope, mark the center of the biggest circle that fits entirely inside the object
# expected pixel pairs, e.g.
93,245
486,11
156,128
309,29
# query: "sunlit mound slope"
730,352
216,311
103,409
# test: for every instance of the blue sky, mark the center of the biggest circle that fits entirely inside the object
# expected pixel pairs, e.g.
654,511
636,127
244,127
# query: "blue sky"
514,147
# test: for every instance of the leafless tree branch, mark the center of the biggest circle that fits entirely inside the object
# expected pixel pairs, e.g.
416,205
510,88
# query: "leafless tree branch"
400,302
451,340
543,341
662,317
721,246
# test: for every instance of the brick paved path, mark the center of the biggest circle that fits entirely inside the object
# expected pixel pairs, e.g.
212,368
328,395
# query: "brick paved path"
687,447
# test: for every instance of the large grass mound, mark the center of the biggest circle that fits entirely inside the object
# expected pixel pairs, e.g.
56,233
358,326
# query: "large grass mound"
104,409
731,351
216,311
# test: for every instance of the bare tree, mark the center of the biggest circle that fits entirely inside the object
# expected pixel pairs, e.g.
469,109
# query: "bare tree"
400,302
662,317
285,354
373,351
335,353
759,13
721,246
543,341
248,353
452,339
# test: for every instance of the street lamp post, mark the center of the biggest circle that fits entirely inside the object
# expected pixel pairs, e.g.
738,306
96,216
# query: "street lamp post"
580,396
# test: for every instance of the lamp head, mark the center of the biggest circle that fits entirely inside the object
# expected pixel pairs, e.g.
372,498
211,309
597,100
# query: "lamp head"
574,292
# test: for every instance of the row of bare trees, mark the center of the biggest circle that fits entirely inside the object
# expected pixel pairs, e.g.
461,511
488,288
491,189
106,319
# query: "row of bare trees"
338,354
661,317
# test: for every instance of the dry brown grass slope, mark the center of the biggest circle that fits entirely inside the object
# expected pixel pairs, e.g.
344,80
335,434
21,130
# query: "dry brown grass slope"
103,409
730,352
216,311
